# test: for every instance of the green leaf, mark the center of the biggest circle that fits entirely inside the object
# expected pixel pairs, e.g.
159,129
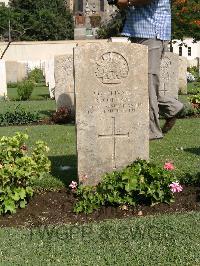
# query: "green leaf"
22,193
22,204
9,205
15,196
132,184
29,191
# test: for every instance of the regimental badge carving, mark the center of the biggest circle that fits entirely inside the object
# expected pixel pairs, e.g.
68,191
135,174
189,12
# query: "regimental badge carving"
112,68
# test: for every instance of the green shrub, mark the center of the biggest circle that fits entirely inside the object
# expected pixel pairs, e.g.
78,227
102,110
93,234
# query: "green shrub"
36,75
25,89
194,71
189,111
18,116
194,88
12,84
140,182
190,179
18,168
195,99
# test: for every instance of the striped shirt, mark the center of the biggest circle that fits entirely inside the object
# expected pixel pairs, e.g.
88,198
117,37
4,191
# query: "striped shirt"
149,21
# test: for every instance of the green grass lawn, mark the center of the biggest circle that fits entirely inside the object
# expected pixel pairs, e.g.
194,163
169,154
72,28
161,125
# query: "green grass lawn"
160,240
40,92
45,107
181,146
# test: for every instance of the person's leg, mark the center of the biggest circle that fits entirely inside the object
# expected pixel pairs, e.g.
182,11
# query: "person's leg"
169,107
154,60
166,106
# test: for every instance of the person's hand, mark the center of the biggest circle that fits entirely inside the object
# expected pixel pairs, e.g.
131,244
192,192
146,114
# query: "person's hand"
122,3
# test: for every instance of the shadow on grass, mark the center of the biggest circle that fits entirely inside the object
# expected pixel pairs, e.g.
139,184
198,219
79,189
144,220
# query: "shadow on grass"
46,113
45,96
64,175
193,150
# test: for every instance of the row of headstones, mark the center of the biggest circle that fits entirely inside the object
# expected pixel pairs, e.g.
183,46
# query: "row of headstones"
13,71
173,78
110,84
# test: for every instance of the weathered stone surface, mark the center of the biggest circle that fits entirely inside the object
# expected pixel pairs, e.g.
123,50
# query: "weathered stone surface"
183,74
3,84
112,118
15,71
64,79
169,75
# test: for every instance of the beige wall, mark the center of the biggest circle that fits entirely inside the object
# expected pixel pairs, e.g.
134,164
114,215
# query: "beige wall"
33,51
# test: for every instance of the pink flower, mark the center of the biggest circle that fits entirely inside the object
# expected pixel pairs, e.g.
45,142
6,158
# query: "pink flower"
73,185
169,166
175,187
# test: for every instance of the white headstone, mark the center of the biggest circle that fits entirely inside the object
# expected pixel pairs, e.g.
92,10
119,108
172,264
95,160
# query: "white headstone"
64,77
3,84
183,74
49,76
169,74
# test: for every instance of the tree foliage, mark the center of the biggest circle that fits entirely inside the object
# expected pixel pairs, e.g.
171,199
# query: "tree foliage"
4,15
38,20
186,19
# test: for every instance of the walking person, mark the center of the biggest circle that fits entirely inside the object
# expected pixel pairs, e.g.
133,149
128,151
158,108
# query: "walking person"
148,22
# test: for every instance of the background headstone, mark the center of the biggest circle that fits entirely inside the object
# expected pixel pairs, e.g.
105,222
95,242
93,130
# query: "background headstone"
112,115
15,71
64,82
3,84
169,75
49,76
183,74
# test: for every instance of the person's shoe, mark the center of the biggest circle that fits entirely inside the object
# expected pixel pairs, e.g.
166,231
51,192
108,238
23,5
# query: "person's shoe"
170,122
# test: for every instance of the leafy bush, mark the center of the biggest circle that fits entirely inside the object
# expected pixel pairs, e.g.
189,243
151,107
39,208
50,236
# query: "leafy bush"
195,99
194,71
194,88
18,169
189,111
62,115
12,84
190,77
18,116
25,89
36,75
140,182
190,179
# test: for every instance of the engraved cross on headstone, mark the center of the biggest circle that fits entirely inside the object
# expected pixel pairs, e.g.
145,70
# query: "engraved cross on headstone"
164,91
114,135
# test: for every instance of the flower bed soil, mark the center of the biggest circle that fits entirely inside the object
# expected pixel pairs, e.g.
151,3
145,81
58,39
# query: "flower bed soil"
55,208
